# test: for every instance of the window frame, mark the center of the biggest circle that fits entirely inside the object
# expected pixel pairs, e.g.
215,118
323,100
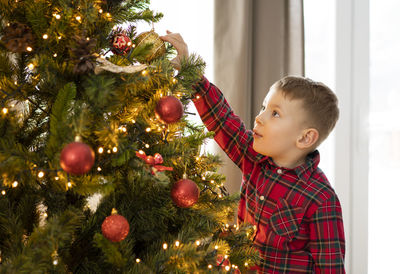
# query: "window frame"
352,141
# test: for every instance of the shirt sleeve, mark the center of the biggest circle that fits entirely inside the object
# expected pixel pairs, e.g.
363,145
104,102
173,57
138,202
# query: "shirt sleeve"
327,242
230,132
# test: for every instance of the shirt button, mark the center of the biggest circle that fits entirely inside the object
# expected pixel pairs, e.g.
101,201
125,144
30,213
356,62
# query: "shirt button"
262,198
279,171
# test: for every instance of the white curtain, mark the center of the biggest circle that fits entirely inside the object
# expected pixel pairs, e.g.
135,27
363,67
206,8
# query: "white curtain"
257,42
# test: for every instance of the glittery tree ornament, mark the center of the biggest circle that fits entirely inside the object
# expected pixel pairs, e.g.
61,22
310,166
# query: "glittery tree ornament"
222,261
185,193
77,158
121,44
169,109
115,227
157,50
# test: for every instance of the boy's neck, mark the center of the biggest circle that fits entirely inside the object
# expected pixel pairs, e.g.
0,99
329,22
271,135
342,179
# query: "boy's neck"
290,162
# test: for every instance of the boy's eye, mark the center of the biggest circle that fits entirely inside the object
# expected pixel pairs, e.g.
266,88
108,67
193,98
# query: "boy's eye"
275,114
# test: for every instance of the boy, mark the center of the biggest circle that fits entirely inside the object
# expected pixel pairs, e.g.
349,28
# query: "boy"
295,212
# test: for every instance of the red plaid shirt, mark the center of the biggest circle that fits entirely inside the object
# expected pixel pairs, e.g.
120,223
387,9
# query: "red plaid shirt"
295,212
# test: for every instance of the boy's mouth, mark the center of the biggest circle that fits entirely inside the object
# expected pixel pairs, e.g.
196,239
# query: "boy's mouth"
256,134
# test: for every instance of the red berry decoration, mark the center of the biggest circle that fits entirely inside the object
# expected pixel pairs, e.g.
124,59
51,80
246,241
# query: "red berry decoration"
115,227
121,44
169,109
150,160
185,193
77,158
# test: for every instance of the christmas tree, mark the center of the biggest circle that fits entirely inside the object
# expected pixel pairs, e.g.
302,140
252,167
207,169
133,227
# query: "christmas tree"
90,108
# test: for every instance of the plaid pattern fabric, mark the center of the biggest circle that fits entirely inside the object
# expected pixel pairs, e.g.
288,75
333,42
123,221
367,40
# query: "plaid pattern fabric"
295,212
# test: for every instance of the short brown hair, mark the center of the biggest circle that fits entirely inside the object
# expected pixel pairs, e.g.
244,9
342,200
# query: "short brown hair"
319,102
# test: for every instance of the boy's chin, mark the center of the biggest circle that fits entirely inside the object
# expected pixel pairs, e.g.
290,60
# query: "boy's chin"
259,151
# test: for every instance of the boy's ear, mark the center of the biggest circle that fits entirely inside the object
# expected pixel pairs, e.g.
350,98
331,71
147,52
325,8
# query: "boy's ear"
308,138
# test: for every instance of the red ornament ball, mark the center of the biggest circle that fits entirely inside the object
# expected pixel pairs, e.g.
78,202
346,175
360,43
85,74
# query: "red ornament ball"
185,193
222,261
121,44
169,109
77,158
115,228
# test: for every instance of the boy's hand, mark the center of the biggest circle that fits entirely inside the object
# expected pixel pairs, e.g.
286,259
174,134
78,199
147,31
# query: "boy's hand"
177,42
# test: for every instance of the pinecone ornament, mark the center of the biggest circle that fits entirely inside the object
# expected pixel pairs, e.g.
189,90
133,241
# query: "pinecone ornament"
17,37
82,52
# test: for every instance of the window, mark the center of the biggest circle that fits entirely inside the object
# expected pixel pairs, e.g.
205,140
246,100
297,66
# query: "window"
384,148
319,36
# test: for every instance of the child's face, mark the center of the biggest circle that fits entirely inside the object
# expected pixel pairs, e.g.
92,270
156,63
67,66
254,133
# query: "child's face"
278,125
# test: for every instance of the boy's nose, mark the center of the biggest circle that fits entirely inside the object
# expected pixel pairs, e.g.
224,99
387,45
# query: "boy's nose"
258,119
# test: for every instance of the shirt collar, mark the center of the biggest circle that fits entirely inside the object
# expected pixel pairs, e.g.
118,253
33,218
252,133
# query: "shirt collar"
303,171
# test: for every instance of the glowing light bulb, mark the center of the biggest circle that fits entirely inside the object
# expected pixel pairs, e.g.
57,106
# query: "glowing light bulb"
57,16
78,18
100,11
227,268
197,242
56,178
145,72
15,184
209,266
133,121
69,184
45,36
99,168
165,246
45,215
40,174
177,243
29,49
31,66
100,150
55,262
246,264
216,247
147,145
138,260
3,192
114,149
5,110
148,129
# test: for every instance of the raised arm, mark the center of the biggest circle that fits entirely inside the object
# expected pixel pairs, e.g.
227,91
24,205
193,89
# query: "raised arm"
214,110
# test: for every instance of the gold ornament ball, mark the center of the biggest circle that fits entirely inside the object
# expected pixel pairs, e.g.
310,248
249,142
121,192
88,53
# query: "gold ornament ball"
150,37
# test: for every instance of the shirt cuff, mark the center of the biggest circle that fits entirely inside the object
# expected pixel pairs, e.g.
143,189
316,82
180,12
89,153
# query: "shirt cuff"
201,88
